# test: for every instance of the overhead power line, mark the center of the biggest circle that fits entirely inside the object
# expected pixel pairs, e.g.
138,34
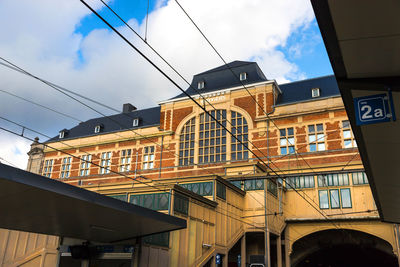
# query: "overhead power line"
40,105
191,98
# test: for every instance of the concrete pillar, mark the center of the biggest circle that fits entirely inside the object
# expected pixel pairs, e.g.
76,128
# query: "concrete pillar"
225,260
267,249
287,248
279,251
243,251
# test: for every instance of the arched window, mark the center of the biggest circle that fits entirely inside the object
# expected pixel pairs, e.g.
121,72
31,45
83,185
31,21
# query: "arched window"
212,137
186,143
240,130
212,142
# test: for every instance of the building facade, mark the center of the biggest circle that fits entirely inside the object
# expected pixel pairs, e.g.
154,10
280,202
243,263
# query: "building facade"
252,165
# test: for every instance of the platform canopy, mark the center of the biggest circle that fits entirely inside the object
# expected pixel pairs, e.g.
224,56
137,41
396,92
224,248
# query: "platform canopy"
33,203
362,39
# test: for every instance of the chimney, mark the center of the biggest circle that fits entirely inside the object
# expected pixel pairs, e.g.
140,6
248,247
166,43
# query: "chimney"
126,108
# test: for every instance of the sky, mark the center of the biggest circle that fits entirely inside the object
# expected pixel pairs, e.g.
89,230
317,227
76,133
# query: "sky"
63,42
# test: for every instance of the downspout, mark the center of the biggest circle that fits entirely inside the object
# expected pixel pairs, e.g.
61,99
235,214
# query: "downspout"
266,243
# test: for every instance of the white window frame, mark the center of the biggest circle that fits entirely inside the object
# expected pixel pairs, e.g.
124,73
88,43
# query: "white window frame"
84,169
65,167
125,160
48,168
135,122
200,85
243,76
148,157
97,129
105,162
316,92
61,135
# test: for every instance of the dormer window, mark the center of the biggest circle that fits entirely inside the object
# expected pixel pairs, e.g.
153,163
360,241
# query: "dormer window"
315,92
98,128
200,85
243,76
135,122
62,133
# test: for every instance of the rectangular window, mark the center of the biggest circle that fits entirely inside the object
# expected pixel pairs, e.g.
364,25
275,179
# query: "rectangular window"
125,160
148,158
255,184
346,197
202,189
337,198
105,162
186,143
323,199
316,137
85,165
306,181
272,187
158,201
221,190
161,239
181,204
335,201
286,141
359,178
48,167
212,137
348,137
65,167
334,179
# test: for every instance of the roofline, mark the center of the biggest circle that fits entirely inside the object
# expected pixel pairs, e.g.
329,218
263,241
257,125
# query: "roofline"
97,134
309,79
221,90
307,100
227,67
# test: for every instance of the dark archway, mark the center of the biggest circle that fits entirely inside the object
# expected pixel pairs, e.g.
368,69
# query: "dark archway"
334,248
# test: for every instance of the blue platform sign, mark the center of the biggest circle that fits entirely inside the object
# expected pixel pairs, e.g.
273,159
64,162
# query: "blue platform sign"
372,109
218,259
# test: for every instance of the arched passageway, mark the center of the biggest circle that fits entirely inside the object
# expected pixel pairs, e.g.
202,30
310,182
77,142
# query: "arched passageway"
340,248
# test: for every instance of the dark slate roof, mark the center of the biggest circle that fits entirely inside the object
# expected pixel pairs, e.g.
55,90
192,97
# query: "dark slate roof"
123,121
222,77
300,91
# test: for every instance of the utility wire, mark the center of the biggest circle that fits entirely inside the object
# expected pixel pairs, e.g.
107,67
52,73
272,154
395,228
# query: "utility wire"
40,105
137,180
16,68
189,96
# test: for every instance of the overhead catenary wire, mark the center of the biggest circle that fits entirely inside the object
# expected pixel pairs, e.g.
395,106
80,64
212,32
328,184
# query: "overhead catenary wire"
40,105
137,180
189,96
243,85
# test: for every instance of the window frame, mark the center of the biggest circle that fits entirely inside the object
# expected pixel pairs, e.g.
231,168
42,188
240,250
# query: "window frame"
150,153
105,163
288,145
350,138
317,94
327,198
65,170
125,160
84,166
48,168
200,85
364,178
316,142
243,76
135,122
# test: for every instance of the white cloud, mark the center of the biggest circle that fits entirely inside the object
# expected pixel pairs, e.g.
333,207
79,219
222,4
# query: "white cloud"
40,36
13,151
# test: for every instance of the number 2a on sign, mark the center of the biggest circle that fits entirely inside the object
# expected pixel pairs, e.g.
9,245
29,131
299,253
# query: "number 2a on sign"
368,113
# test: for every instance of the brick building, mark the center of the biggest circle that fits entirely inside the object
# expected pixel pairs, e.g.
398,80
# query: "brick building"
269,167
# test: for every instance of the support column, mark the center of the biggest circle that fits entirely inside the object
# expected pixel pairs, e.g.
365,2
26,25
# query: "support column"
243,251
267,249
279,251
287,248
225,260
